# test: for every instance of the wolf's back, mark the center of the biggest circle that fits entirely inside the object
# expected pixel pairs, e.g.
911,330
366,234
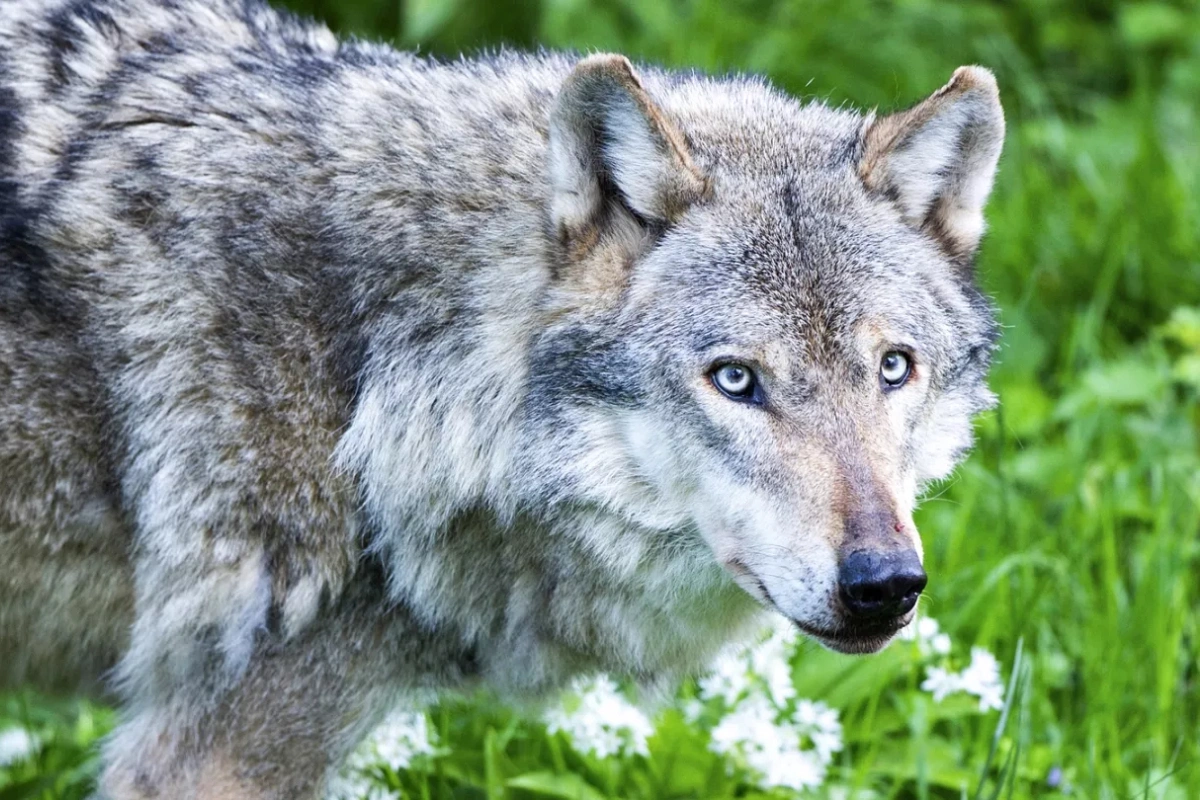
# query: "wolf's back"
141,202
62,62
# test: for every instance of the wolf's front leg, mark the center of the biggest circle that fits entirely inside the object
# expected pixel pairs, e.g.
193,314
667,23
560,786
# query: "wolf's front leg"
241,520
299,707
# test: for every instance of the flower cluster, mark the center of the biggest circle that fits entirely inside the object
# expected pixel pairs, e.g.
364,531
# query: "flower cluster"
780,740
403,737
980,678
764,667
760,725
780,750
748,704
598,719
358,784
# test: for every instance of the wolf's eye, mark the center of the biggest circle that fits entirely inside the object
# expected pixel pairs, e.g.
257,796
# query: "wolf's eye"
894,369
735,381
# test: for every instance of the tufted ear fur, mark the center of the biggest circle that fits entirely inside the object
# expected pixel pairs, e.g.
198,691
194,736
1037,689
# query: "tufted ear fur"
937,159
612,147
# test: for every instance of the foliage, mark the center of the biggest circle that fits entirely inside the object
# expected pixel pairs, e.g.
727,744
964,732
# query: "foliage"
1074,528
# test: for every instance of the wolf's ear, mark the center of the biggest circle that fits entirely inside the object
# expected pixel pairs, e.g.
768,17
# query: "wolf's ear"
609,143
937,160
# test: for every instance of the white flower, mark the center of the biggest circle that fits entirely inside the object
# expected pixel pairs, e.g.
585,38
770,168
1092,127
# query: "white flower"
780,746
927,628
736,673
928,635
795,769
941,683
813,715
603,722
692,710
769,661
980,678
17,744
396,743
354,784
778,677
783,630
911,631
402,737
746,729
728,680
821,725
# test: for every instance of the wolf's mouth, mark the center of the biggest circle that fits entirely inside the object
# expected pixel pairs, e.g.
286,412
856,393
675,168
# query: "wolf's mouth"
857,640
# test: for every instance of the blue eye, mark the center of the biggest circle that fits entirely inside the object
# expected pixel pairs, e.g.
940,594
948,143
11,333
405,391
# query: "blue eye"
894,370
736,381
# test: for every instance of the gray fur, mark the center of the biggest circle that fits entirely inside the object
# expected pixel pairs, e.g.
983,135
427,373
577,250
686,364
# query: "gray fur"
329,373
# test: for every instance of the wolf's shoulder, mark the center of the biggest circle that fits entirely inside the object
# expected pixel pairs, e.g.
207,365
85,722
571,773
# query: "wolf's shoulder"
60,46
94,27
74,41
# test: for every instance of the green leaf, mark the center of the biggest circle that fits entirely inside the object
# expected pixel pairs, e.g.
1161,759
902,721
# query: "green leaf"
1183,327
565,785
1187,370
1150,24
424,18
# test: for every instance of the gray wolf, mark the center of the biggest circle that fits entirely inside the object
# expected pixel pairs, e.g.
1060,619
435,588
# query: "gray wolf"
329,373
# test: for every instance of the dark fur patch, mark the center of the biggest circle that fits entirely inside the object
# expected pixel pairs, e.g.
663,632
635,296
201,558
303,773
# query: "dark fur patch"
581,363
23,261
10,130
64,29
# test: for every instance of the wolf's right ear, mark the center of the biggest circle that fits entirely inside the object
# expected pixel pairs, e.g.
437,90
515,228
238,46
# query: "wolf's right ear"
610,143
937,160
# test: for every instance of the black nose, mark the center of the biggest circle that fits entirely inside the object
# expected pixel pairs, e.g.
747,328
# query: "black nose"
875,585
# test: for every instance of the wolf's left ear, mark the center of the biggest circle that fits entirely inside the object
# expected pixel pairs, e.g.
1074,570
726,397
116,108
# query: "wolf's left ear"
610,143
937,160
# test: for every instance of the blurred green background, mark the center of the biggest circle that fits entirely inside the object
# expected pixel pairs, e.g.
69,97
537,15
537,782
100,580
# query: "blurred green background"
1075,526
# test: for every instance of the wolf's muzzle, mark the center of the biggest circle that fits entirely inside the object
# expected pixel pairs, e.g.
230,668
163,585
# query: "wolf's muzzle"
877,585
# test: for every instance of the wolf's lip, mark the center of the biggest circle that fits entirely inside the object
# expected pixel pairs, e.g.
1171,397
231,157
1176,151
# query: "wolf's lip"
855,641
858,640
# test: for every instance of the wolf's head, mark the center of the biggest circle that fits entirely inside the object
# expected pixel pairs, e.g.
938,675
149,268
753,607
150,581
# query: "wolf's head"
765,329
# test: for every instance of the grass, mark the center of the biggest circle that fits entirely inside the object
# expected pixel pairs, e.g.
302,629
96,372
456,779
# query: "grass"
1074,528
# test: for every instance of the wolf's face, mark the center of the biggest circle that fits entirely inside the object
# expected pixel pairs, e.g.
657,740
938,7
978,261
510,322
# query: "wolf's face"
791,345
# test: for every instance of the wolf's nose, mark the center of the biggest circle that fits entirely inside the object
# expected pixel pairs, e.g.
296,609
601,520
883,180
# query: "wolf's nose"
875,585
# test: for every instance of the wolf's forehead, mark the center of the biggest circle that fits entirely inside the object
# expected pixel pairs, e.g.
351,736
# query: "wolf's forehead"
798,236
744,125
814,270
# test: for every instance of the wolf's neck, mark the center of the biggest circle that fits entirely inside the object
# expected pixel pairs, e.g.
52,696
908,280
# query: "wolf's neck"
445,211
487,534
542,598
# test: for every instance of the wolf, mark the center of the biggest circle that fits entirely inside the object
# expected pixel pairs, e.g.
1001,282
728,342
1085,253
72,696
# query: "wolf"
330,373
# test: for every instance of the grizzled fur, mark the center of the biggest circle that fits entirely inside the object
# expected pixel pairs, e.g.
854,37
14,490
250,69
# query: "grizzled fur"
329,373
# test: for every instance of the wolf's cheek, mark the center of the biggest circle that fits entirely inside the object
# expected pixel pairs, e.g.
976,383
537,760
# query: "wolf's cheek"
776,552
941,439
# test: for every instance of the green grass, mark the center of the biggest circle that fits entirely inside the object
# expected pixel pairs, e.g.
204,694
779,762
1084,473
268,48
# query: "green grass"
1074,528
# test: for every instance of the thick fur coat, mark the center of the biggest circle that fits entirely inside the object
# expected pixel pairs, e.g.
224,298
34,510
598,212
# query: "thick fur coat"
328,372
